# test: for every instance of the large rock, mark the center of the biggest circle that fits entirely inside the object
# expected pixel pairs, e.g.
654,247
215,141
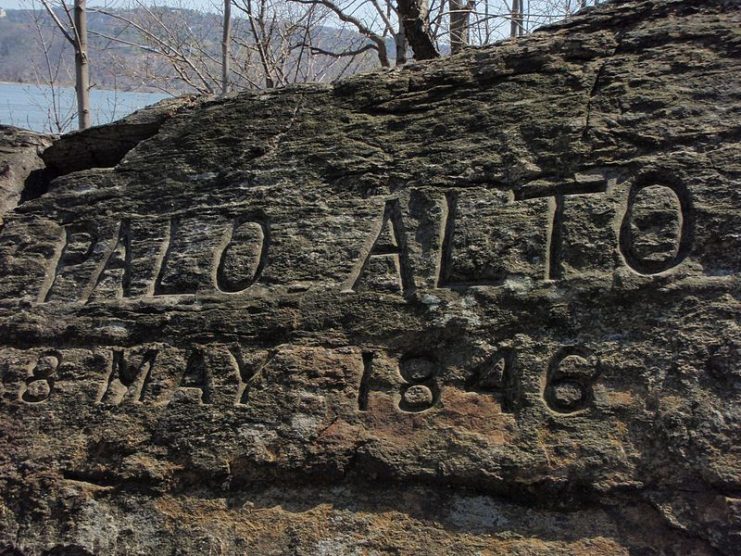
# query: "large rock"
483,305
104,146
22,171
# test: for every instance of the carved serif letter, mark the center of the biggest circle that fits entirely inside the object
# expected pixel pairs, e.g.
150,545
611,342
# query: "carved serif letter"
242,256
113,277
386,253
197,381
249,368
557,197
126,380
656,230
79,242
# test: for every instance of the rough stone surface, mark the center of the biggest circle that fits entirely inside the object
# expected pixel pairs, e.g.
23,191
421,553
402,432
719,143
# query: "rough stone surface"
483,305
21,166
104,146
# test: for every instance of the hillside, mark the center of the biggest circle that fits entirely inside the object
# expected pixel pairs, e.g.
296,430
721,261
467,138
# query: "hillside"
125,59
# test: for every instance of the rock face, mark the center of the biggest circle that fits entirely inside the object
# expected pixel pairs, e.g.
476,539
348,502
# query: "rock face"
21,168
483,305
104,146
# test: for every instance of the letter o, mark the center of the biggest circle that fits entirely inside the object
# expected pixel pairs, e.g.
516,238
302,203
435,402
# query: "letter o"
648,252
242,257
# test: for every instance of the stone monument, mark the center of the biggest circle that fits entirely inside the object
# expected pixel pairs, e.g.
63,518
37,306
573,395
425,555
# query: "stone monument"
487,304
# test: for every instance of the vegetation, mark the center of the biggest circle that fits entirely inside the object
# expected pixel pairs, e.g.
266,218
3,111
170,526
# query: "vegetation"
251,44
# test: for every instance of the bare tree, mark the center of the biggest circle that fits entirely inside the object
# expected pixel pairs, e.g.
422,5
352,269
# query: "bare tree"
48,75
272,43
75,31
225,46
363,16
278,43
432,27
460,11
82,68
415,16
187,54
517,18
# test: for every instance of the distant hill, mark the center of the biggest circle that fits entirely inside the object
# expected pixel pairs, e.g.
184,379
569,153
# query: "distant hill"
25,35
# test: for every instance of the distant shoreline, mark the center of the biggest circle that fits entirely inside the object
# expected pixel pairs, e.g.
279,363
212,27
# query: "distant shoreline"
28,106
128,91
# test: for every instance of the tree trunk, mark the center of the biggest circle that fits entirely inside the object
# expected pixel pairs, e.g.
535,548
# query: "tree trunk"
459,13
521,19
414,16
513,19
400,42
225,41
82,67
517,19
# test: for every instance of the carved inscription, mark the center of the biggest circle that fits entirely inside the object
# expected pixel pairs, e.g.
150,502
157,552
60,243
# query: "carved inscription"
365,381
196,383
243,257
113,279
556,199
190,254
569,380
420,391
497,377
127,379
444,279
40,382
131,259
656,230
78,246
488,238
187,266
249,369
160,375
146,243
384,259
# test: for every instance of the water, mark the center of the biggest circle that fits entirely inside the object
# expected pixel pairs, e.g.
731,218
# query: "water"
32,106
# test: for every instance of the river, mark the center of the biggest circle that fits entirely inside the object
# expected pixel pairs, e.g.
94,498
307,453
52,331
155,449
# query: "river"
32,106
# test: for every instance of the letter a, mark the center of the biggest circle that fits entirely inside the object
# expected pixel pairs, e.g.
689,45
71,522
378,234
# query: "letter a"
383,263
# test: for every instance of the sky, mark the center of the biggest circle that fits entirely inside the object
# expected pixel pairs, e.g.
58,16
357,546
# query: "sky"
206,5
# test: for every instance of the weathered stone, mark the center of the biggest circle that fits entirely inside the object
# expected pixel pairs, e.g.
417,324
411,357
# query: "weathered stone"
483,305
104,146
21,167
